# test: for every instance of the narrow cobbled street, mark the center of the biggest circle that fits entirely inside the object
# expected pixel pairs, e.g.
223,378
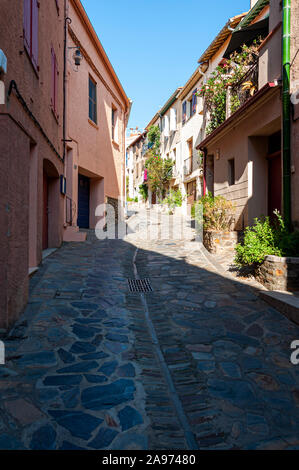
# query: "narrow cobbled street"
199,362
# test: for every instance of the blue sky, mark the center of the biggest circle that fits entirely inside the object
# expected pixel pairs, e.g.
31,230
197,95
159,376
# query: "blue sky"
154,45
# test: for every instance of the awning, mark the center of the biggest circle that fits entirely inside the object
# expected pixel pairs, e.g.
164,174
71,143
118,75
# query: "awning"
247,36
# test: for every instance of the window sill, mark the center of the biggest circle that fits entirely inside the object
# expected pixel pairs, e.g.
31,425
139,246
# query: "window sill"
93,124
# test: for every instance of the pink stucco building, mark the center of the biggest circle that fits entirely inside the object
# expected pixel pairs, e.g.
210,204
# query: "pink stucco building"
31,204
62,137
95,160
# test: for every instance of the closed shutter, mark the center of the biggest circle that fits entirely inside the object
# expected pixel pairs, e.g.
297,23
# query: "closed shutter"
34,47
27,24
194,101
172,119
184,108
56,86
53,75
166,129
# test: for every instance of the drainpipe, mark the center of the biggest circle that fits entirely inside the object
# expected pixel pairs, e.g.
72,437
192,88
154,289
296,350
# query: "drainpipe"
67,21
286,108
205,152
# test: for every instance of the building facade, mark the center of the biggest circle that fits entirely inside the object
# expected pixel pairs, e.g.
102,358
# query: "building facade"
62,137
95,160
32,205
243,156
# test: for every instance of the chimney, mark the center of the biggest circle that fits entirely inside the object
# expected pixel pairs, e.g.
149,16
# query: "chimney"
252,3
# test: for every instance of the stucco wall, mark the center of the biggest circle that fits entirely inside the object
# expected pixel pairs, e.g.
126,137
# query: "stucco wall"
98,157
23,150
245,141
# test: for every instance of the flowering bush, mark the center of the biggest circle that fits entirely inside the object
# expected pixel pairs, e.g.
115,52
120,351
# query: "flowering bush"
159,170
225,75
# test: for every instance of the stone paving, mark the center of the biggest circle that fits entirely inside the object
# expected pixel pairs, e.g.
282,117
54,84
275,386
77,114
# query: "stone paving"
82,369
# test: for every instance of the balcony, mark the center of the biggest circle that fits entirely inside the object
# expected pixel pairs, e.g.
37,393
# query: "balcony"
239,93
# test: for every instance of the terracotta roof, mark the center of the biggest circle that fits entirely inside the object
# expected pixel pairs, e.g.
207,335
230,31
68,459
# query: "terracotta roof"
169,102
190,83
137,139
252,14
221,38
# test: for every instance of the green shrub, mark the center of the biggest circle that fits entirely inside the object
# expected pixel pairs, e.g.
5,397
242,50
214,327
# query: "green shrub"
217,213
143,191
266,238
174,199
259,240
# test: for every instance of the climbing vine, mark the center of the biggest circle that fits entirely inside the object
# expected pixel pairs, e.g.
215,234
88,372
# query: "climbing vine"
227,75
159,170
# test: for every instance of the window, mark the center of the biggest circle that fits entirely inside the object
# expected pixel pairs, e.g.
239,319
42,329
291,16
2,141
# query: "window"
54,83
92,100
30,30
184,112
231,172
194,101
114,124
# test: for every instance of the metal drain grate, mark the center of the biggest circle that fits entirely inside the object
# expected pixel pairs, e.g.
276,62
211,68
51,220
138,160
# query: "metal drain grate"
140,285
68,295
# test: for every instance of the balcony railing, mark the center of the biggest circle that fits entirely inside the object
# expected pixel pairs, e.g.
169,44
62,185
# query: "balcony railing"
239,93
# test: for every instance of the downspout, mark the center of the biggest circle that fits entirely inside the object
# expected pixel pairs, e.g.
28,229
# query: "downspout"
286,108
67,21
205,151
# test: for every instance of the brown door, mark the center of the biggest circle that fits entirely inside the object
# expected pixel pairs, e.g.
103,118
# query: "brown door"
45,211
274,183
191,192
154,198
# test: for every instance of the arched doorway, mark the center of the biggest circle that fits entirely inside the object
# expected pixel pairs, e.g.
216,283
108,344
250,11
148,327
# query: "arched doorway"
50,206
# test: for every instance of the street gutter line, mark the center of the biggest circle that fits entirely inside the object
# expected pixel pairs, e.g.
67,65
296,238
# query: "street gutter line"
189,436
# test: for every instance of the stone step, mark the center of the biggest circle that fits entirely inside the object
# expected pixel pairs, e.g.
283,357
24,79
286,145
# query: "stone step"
285,302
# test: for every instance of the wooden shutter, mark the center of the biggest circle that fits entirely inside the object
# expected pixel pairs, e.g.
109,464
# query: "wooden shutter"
34,47
194,101
56,86
27,24
184,112
53,75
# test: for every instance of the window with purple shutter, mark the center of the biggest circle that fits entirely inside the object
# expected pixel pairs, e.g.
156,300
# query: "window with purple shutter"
54,82
194,101
27,25
184,112
30,29
57,5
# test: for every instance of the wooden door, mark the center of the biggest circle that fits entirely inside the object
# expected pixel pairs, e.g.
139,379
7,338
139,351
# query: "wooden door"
83,201
45,211
191,192
274,183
